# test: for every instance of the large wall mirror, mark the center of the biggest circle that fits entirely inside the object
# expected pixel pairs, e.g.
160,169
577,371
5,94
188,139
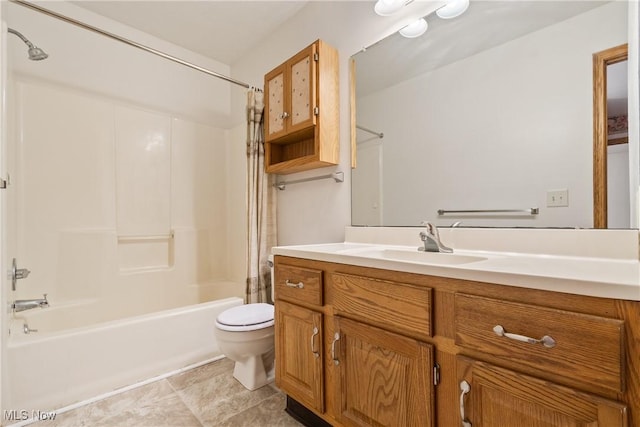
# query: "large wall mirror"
491,111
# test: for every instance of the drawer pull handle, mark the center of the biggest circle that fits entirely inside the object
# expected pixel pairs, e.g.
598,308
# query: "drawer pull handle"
298,285
546,340
316,354
465,388
336,338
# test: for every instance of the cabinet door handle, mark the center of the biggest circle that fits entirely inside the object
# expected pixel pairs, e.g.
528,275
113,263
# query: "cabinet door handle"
298,285
336,338
284,115
546,340
313,342
464,388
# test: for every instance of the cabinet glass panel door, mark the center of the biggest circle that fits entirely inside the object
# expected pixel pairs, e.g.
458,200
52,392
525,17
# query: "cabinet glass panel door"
276,102
303,81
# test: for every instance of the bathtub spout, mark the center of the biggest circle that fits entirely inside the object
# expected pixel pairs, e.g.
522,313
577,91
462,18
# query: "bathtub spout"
28,304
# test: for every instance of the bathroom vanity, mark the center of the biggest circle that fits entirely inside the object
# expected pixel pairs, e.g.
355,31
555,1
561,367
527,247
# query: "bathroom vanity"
372,334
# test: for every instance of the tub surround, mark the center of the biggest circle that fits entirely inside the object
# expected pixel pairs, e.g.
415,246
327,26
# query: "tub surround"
517,326
600,263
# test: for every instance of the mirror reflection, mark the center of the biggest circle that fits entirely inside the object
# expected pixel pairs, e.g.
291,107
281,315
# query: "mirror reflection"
490,111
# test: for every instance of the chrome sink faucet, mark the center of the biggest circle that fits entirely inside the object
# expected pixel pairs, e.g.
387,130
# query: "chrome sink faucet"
28,304
431,239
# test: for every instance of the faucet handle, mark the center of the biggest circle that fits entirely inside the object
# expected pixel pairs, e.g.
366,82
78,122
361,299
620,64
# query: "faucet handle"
431,228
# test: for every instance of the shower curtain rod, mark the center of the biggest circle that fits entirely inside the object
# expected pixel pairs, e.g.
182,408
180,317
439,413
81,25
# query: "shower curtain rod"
131,43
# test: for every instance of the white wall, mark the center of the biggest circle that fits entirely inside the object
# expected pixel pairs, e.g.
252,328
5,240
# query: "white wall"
618,205
501,136
366,186
318,211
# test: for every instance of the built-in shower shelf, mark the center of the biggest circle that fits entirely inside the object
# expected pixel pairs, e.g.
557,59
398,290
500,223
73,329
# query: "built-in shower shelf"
145,238
138,253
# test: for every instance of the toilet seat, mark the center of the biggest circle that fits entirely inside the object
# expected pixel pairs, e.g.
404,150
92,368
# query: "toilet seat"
248,317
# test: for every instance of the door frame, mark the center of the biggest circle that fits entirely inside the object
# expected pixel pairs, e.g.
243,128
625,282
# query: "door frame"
601,60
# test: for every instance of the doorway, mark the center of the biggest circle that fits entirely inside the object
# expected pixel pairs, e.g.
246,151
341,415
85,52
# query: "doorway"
602,137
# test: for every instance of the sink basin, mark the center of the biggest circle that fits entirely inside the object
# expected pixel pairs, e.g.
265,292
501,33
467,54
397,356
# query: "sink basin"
433,258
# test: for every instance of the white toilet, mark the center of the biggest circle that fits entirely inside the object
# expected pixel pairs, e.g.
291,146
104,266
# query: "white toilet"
245,335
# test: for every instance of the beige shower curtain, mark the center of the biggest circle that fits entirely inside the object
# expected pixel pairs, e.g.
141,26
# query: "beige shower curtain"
261,206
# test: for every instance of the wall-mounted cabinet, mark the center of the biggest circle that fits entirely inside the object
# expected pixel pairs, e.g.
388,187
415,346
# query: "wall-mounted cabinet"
302,111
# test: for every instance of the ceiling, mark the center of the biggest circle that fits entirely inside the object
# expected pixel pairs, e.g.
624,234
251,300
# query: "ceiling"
221,30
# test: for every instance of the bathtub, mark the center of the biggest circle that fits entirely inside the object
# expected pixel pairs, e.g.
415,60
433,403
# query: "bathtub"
53,369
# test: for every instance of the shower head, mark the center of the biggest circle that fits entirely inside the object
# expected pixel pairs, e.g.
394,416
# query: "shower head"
35,53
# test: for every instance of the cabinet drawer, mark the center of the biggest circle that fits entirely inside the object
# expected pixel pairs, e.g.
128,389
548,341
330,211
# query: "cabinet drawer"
587,349
394,306
298,284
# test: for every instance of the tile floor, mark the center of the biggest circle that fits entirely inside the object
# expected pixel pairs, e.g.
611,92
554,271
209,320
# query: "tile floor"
201,397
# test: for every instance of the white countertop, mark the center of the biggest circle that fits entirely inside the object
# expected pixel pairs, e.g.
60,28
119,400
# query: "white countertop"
608,277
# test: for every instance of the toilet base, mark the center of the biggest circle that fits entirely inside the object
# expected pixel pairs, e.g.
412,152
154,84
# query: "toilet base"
251,373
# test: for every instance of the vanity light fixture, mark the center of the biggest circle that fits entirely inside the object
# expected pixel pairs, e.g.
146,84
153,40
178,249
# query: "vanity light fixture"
415,29
389,7
452,9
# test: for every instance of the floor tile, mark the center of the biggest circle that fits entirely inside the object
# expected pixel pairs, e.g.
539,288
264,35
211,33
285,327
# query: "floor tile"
205,396
269,413
220,397
201,373
152,405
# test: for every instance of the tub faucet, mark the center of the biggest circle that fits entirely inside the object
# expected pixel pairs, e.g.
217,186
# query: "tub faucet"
28,304
431,239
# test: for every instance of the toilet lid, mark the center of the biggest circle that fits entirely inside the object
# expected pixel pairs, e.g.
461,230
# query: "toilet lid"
248,316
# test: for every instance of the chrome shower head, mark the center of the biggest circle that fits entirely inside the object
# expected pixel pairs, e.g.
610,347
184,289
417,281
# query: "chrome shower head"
35,53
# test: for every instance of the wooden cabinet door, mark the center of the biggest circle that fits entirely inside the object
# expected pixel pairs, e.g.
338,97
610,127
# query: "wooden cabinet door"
291,95
384,379
276,103
502,398
299,361
302,90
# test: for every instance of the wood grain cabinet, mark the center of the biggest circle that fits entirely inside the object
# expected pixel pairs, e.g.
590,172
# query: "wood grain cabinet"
582,351
369,347
299,365
299,334
302,111
501,397
383,378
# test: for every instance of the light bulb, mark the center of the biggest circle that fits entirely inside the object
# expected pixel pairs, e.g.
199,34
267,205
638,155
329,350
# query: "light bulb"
415,29
452,9
388,7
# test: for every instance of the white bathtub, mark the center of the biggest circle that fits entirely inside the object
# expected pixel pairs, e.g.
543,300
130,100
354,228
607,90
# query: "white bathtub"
50,370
